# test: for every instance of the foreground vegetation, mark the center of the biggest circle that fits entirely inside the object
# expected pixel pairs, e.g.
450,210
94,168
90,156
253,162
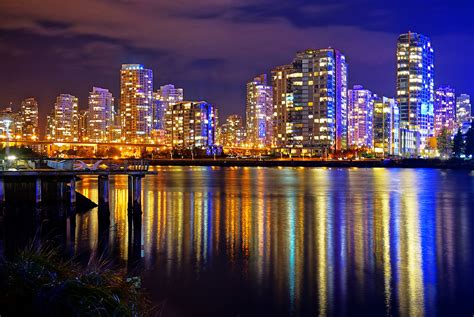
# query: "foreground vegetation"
38,283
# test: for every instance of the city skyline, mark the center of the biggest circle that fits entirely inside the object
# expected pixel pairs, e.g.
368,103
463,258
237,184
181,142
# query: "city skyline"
79,60
309,110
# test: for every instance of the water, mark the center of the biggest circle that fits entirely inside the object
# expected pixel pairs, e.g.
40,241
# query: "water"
292,241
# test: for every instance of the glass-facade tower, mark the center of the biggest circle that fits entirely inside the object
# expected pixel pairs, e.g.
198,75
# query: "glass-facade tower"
463,112
136,102
415,84
316,104
445,110
360,114
280,81
386,130
66,119
101,115
193,125
259,112
29,119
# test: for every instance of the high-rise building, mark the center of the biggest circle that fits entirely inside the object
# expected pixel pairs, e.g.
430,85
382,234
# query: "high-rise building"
100,115
29,119
159,113
316,102
83,125
360,107
232,133
136,102
415,84
193,125
463,112
66,118
50,130
165,97
259,112
386,129
280,80
445,110
169,95
9,126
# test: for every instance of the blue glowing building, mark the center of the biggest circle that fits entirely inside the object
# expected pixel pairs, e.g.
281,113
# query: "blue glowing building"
360,117
259,112
316,103
445,110
415,85
193,125
463,112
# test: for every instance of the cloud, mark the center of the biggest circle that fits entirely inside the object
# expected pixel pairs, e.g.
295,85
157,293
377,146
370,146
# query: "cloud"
53,25
211,46
166,26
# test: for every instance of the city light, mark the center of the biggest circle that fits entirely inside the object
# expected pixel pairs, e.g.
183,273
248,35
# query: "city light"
281,116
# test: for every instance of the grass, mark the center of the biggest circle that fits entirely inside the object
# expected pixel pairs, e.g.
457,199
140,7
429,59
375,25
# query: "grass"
38,282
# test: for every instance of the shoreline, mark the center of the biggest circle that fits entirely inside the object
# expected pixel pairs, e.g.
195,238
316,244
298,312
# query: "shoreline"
405,163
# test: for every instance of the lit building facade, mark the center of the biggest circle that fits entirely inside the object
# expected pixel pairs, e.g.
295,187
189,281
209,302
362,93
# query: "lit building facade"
165,97
463,112
100,115
136,102
280,80
10,125
116,129
50,130
386,127
159,113
192,125
66,118
29,119
360,107
316,103
232,133
415,85
259,112
83,125
410,143
445,110
169,95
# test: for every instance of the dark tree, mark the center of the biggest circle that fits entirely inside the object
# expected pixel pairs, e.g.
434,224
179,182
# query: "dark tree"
443,141
469,149
458,144
20,152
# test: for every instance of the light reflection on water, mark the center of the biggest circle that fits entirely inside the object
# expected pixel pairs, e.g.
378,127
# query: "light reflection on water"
248,241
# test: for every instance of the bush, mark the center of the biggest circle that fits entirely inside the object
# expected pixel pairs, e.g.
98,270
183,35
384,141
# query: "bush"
37,282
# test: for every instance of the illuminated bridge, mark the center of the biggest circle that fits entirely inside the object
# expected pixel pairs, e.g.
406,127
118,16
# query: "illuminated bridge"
95,145
77,143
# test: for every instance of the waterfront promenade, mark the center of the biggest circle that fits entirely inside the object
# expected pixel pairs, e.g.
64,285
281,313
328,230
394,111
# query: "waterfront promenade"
299,162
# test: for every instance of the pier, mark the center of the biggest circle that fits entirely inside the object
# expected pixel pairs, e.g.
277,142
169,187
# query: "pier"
67,172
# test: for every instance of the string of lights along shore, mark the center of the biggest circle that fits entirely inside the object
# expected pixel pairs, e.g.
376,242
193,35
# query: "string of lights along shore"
304,108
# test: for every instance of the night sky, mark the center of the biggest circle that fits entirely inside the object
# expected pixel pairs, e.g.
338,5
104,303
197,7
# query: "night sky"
212,47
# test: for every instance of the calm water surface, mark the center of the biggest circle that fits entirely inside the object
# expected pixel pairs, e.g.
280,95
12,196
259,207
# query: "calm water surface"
293,241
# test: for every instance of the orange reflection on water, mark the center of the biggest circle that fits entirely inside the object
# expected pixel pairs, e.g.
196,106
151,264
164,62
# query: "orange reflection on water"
411,287
382,232
335,236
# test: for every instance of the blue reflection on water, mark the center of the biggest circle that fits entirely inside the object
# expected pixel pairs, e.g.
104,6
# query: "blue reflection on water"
293,241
